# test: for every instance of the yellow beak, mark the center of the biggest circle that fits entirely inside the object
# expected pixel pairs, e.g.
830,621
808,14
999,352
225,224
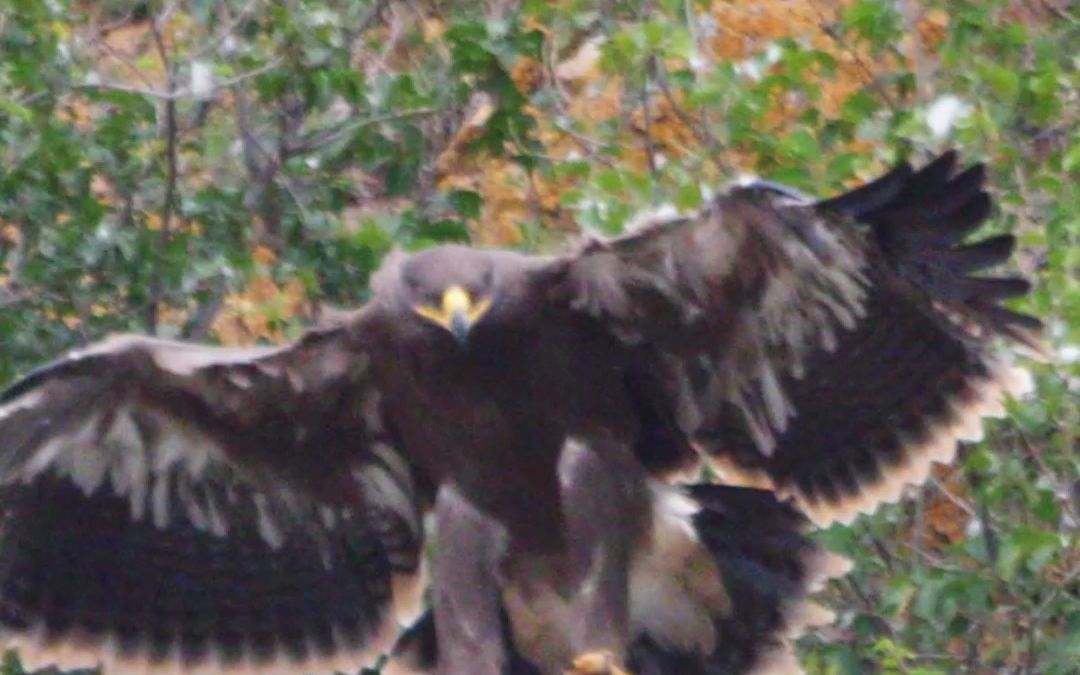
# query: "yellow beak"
457,313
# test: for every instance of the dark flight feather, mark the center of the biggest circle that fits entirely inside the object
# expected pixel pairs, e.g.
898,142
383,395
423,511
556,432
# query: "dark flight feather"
81,585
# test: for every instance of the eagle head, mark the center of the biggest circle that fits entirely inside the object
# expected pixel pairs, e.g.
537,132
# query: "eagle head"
452,287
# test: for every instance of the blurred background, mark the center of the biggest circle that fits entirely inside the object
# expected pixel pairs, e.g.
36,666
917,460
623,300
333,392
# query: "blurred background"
232,170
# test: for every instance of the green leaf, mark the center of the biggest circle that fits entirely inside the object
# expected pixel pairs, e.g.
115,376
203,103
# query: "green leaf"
877,21
800,145
688,197
1027,548
442,231
466,202
1003,81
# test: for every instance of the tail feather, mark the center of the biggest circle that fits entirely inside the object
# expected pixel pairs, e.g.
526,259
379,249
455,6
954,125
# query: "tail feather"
768,569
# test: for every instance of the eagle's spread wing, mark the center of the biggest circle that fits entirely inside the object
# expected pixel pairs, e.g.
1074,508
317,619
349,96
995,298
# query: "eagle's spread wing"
800,349
182,507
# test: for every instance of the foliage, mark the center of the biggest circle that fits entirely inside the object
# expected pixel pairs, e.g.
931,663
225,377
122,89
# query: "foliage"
223,169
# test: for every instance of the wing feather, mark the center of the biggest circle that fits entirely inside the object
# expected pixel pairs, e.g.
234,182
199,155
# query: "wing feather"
172,505
831,351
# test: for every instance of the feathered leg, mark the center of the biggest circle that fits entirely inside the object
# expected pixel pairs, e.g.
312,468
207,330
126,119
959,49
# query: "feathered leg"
468,620
575,603
465,633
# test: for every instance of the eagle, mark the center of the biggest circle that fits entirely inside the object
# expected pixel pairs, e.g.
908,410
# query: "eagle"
602,461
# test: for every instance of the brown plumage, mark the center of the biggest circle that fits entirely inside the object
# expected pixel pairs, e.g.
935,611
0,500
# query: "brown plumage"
170,506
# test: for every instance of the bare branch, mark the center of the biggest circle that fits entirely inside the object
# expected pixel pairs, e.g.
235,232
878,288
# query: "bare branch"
989,533
919,533
699,127
198,325
260,164
953,497
1060,486
166,14
368,20
324,136
170,133
176,93
223,34
913,12
871,79
100,40
646,114
10,298
123,21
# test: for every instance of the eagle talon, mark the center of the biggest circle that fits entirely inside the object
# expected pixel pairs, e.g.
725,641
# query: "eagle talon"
596,663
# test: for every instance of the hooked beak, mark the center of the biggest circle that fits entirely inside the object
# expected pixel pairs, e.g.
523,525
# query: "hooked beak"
457,312
459,326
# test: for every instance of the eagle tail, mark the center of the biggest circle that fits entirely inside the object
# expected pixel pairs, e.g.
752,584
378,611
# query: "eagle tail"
767,570
82,586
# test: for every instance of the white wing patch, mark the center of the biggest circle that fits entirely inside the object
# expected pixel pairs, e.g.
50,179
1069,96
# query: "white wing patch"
110,449
675,587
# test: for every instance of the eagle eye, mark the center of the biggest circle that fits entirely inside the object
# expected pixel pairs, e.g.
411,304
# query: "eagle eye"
409,278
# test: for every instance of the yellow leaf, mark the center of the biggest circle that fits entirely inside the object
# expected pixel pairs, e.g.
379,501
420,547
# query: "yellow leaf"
263,255
433,29
10,235
526,74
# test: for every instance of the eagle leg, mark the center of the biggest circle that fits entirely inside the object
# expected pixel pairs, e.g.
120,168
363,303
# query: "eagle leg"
468,616
575,600
606,508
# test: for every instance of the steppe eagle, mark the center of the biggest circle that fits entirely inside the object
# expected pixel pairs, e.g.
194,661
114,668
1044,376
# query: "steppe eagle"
568,422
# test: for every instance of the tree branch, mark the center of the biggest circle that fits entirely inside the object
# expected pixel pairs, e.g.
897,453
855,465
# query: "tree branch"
699,128
198,325
650,147
223,34
175,93
871,79
322,137
912,12
157,286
